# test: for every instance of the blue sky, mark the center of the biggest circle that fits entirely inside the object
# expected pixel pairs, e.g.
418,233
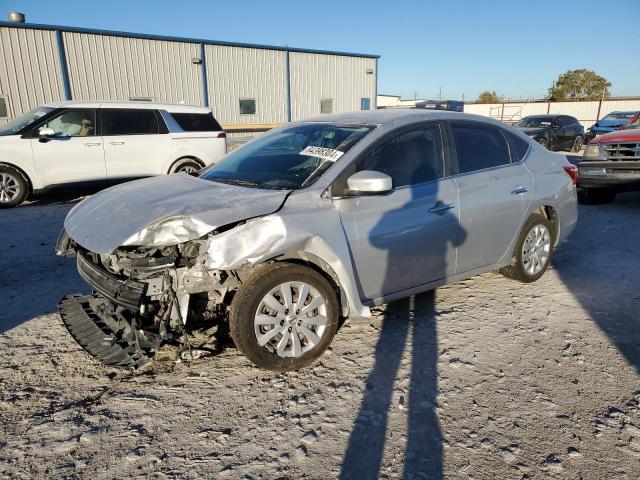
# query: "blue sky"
516,48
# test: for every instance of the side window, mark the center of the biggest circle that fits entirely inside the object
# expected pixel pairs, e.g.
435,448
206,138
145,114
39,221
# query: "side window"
129,121
479,147
74,122
519,146
197,122
409,158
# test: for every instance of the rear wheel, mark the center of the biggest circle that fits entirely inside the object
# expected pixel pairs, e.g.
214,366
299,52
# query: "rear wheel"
13,187
595,196
533,251
185,165
283,317
543,142
577,144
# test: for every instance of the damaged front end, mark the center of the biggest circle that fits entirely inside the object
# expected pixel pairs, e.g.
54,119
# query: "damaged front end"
141,298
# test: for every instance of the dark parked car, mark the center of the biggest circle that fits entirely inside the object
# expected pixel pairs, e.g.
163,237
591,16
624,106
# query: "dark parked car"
555,132
611,122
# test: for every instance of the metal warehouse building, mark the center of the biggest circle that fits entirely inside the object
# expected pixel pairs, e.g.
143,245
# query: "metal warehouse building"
246,85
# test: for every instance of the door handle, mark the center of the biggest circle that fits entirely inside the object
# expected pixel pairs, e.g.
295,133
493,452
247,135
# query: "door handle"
519,190
441,208
116,143
93,144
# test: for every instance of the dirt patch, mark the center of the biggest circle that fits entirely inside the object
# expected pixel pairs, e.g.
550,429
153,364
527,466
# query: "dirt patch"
486,378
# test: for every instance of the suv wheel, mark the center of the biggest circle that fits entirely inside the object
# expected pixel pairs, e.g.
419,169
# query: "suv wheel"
543,142
185,165
577,144
533,251
595,196
13,187
283,317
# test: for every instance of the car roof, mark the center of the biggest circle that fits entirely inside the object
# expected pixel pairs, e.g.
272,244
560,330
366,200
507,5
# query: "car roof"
171,107
392,115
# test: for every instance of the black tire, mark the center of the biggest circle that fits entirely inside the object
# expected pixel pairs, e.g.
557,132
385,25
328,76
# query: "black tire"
543,143
245,304
185,165
516,270
577,144
595,196
14,187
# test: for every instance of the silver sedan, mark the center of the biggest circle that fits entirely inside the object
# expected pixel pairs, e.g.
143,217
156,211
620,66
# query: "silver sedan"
307,225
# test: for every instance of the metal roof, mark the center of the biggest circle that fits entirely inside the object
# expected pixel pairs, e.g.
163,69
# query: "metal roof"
113,33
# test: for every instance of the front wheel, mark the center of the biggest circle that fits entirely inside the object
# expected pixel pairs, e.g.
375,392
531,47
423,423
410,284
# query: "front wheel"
284,316
533,251
13,187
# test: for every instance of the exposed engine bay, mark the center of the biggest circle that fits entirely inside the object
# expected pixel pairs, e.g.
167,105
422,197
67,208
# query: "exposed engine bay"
141,299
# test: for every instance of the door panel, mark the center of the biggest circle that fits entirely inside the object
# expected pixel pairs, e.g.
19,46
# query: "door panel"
492,206
396,242
74,154
134,146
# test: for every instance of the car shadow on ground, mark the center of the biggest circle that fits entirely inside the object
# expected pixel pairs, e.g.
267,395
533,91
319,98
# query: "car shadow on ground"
594,264
33,279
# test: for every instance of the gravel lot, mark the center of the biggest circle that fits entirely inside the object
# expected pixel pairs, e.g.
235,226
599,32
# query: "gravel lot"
486,378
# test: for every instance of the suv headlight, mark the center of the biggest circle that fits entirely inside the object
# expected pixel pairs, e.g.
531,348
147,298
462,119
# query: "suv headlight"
170,231
593,152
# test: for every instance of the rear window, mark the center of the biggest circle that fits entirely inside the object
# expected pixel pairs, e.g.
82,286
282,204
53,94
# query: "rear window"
197,122
129,121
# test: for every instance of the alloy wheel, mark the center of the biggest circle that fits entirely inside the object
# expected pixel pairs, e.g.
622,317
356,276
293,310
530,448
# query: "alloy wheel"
536,249
187,169
9,187
291,319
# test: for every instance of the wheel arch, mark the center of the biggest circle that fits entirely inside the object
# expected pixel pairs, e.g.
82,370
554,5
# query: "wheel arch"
323,268
185,157
23,173
550,214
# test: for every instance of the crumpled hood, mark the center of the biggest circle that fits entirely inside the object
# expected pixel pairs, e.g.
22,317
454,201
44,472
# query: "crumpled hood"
532,130
608,125
104,221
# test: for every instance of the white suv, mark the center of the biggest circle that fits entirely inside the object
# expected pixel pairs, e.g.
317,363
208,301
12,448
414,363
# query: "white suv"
103,142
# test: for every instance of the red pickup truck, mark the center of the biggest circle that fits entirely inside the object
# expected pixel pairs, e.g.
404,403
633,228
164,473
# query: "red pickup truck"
610,165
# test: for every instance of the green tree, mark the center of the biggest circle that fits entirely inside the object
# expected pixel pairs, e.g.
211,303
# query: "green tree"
488,97
579,84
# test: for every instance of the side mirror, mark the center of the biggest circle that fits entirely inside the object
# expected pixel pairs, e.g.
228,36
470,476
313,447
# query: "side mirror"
368,182
46,134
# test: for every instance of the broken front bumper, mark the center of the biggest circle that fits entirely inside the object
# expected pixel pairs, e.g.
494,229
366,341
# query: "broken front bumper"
125,293
80,314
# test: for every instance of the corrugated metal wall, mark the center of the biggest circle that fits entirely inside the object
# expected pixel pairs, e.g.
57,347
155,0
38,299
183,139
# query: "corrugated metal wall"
105,67
235,73
29,69
343,79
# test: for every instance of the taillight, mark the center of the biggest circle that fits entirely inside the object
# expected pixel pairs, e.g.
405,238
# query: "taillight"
222,135
572,171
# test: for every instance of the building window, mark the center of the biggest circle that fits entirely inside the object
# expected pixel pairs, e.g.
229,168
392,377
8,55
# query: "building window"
4,111
247,106
326,105
365,103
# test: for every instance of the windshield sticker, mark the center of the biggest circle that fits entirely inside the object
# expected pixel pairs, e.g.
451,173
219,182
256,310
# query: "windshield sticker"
321,152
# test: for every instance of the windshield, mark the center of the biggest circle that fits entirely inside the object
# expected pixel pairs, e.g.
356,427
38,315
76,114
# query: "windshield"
635,124
288,158
24,120
534,122
619,116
